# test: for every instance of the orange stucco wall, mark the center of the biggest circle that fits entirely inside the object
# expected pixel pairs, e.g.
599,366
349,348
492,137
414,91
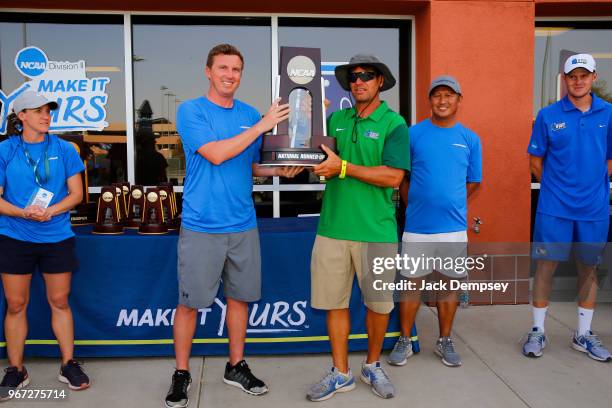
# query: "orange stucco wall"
489,47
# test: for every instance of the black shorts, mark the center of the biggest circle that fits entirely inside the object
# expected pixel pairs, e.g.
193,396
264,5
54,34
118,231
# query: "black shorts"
22,257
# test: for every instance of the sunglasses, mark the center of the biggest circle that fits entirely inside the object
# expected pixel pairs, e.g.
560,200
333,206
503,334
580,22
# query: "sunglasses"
365,76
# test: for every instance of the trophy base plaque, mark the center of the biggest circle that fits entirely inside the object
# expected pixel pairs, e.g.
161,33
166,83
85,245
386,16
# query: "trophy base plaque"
153,229
272,154
106,229
132,224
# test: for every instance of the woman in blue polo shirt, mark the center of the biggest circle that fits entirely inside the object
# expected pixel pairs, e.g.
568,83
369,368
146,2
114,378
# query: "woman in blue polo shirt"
40,182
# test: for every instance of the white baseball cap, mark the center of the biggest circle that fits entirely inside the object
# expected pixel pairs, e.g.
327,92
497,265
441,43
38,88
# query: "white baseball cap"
585,61
32,100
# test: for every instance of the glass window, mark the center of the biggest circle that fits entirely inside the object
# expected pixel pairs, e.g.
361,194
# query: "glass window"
97,40
339,40
169,60
554,42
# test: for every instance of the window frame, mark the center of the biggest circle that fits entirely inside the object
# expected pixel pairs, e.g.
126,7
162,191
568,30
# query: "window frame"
593,23
407,55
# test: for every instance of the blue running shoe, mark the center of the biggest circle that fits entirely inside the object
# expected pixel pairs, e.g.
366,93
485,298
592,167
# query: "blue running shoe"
536,341
374,375
590,344
330,384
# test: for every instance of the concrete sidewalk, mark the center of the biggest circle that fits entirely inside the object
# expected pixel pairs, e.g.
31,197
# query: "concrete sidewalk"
494,373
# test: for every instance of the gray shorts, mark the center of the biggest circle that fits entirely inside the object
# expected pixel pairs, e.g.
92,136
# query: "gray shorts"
204,260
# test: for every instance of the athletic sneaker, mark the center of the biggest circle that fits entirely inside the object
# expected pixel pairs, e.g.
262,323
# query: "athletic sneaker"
177,394
401,351
445,348
590,344
331,383
535,343
73,375
374,375
240,376
13,380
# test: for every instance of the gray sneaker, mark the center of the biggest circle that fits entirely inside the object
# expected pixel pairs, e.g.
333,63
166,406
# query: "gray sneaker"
590,344
375,376
332,382
446,349
401,351
535,343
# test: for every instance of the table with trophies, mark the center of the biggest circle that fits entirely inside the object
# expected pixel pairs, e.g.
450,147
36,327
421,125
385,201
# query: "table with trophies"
125,291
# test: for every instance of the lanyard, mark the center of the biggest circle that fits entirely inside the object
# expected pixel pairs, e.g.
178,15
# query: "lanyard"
39,179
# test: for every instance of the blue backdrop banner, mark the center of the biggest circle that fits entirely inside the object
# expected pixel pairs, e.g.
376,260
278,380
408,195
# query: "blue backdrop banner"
125,292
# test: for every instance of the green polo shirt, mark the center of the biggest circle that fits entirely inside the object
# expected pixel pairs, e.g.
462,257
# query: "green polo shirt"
354,210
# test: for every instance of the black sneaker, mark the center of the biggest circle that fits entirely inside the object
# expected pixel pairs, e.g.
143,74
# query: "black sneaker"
177,394
73,375
240,376
13,379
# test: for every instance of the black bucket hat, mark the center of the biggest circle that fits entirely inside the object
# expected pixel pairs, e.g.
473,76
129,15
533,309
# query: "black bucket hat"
358,60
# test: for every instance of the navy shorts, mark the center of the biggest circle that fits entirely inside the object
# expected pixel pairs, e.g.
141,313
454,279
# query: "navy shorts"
22,257
554,237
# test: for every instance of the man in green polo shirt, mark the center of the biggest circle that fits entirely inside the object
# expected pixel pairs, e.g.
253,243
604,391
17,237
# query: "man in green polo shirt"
357,225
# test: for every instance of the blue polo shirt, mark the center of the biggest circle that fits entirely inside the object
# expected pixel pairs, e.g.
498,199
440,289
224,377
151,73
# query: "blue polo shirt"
575,147
217,198
19,183
443,161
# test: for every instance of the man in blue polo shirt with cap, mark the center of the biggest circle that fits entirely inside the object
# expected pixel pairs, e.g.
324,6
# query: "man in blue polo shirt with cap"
570,148
446,170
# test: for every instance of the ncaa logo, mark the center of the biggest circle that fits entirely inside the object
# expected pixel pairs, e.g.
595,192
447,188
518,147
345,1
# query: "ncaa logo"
31,62
301,69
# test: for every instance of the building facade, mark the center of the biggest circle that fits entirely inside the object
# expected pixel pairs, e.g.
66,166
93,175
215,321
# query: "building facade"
506,54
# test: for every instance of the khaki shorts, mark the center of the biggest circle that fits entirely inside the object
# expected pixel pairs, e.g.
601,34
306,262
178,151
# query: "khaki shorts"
333,266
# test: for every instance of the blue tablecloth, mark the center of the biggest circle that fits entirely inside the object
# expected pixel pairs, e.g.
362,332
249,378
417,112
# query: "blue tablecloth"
125,291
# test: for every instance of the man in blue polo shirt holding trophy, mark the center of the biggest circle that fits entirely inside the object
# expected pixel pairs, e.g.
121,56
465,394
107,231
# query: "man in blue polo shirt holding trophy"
570,148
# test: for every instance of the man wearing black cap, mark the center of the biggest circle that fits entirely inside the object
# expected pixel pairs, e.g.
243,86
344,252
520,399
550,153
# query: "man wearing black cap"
357,222
446,170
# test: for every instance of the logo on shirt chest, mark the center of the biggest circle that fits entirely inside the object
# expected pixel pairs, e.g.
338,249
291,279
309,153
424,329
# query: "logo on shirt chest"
371,134
558,126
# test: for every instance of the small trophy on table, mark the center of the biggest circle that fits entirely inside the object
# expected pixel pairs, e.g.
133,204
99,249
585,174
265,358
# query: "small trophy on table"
135,207
166,192
108,219
153,221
